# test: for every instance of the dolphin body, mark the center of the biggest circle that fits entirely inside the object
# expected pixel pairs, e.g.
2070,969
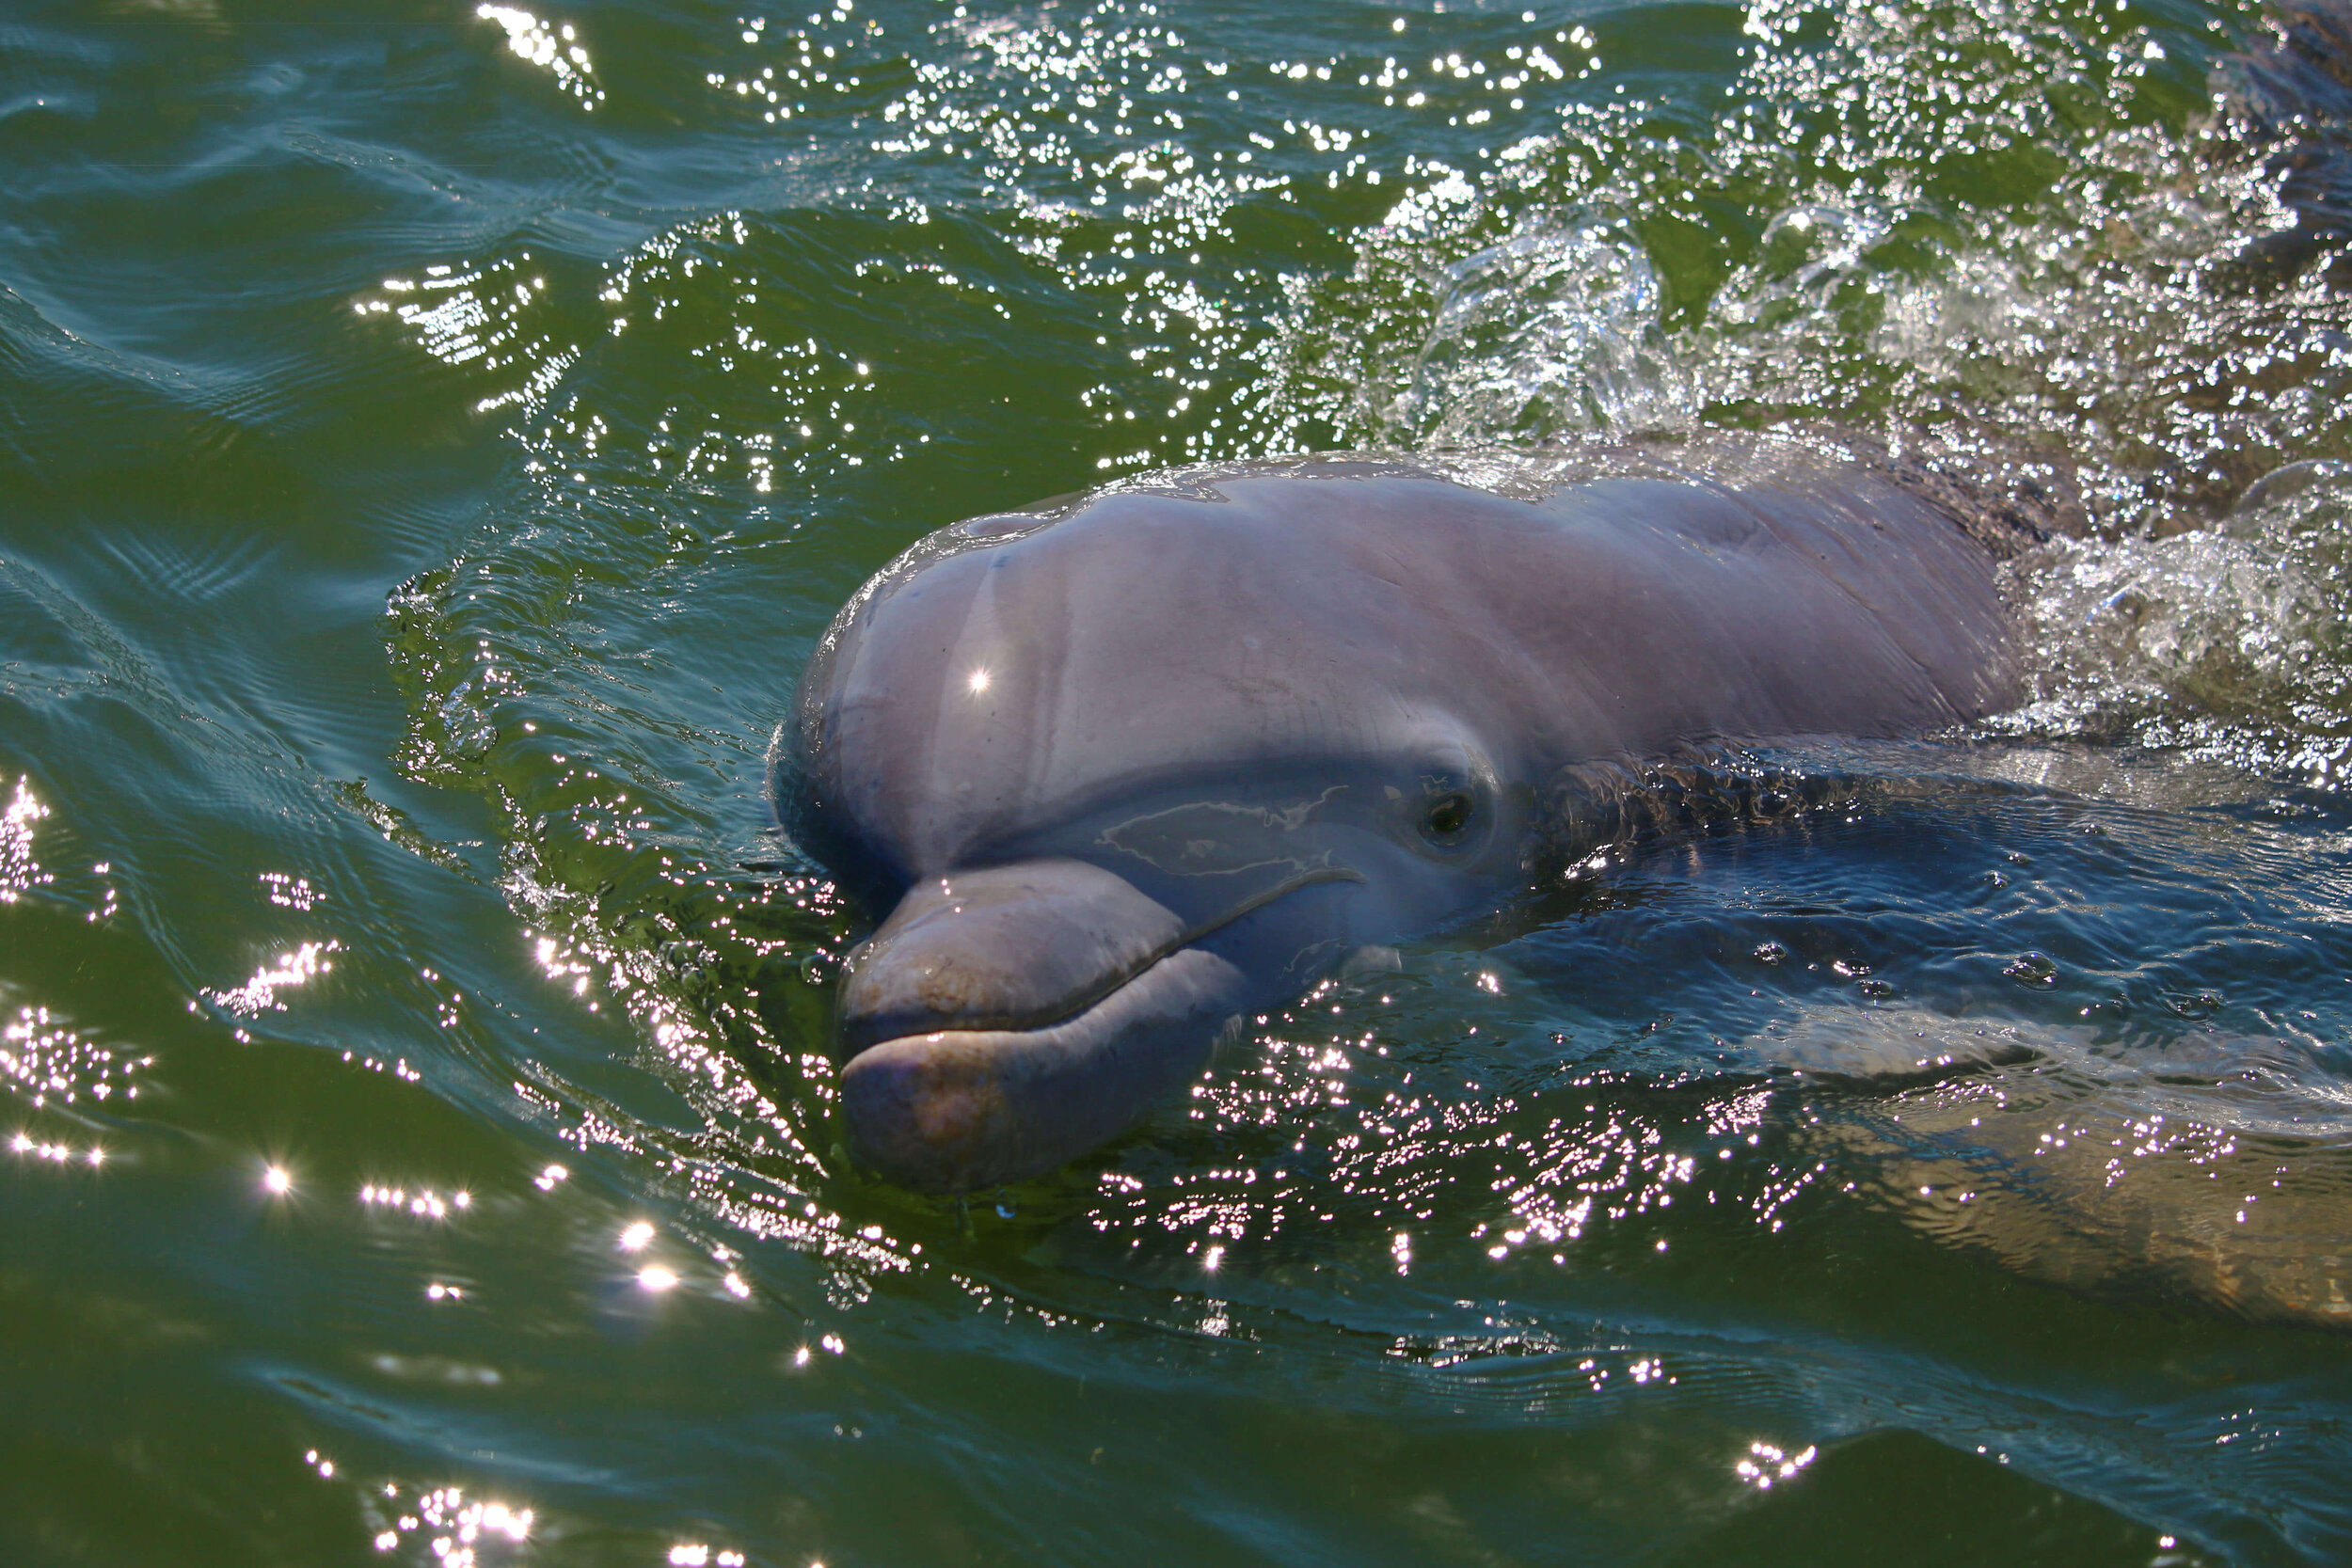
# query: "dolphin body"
1128,769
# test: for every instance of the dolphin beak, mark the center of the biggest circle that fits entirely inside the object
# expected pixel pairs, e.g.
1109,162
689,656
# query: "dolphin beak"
1004,1020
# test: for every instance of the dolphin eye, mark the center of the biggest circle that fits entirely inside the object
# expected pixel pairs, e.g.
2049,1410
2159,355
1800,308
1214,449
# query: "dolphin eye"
1446,816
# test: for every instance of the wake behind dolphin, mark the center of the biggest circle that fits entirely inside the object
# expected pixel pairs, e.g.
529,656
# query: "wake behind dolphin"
1127,771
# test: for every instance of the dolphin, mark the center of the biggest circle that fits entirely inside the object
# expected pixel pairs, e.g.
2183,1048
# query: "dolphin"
1123,770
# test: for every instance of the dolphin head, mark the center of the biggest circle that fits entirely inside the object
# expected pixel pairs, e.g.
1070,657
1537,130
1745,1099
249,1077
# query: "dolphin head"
1120,778
1118,773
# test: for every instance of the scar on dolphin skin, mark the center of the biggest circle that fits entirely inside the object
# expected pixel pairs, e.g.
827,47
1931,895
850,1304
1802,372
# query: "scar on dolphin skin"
1123,770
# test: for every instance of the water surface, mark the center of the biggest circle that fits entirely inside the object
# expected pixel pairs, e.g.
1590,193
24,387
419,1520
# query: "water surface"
430,441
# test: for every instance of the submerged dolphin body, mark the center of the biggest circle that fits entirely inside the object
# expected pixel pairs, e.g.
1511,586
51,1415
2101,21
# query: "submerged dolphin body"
1126,770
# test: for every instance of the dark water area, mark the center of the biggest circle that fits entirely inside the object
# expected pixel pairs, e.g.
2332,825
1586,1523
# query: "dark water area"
433,436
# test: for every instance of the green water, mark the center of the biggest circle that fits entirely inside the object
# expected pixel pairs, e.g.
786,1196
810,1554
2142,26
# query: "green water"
431,439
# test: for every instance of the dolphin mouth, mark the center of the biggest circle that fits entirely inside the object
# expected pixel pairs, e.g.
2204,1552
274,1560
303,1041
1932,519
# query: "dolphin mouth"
960,1109
1003,1022
1022,947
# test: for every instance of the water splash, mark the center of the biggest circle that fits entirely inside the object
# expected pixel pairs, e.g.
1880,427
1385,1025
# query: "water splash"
1553,330
2227,642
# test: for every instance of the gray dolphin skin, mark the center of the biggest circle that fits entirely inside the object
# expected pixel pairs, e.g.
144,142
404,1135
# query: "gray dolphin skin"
1123,771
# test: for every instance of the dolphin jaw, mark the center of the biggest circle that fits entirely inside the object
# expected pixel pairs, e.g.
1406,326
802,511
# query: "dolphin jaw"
929,1113
1005,1019
1064,935
953,1110
1009,947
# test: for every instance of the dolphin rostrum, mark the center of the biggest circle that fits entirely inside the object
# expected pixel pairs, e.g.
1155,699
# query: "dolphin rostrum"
1124,771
